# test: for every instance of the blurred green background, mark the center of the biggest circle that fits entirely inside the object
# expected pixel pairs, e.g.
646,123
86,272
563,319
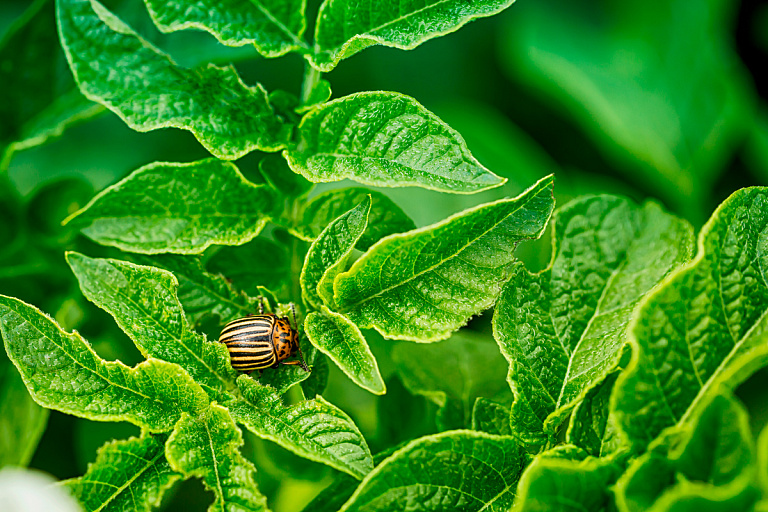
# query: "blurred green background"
650,99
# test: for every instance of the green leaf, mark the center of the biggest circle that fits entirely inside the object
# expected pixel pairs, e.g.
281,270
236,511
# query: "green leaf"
285,377
452,374
274,27
592,427
144,304
453,471
557,484
386,139
607,254
706,464
384,219
338,338
318,94
208,448
127,475
345,27
328,254
762,459
178,208
259,263
39,101
425,284
117,68
22,421
63,372
689,334
202,294
627,77
276,172
313,429
491,417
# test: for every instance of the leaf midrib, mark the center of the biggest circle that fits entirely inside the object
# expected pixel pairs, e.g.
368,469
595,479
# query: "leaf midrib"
120,489
348,307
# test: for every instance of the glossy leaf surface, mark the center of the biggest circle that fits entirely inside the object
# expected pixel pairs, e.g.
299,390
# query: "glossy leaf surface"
386,139
127,475
424,284
144,304
455,471
275,27
117,68
178,208
314,429
344,27
689,333
608,253
63,372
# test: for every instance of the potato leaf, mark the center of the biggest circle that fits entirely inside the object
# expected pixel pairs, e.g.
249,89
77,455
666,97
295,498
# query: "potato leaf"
424,284
313,429
458,470
208,447
22,421
132,474
63,372
177,208
275,27
689,333
607,254
386,139
345,27
144,304
706,464
117,68
337,337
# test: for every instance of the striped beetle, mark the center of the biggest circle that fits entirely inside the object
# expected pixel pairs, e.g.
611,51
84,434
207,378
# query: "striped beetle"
262,341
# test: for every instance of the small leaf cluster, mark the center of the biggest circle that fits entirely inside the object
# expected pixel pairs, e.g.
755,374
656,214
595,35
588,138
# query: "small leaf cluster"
606,381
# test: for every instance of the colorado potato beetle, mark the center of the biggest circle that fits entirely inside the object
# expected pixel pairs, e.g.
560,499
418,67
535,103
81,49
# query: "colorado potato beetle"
262,341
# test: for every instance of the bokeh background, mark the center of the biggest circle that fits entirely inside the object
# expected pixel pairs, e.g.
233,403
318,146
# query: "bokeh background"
660,100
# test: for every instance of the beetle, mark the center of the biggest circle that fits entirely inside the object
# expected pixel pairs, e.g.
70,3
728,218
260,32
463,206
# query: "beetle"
262,341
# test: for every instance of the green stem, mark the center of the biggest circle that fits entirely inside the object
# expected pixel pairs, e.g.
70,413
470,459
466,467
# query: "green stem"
311,78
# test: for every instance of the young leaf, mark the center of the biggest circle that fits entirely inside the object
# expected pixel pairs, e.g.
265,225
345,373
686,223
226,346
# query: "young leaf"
178,208
458,470
425,284
708,462
22,421
127,475
274,27
202,294
384,219
338,338
117,68
318,94
207,447
329,252
39,101
345,27
689,333
386,139
144,304
491,417
557,484
607,254
452,374
313,429
63,372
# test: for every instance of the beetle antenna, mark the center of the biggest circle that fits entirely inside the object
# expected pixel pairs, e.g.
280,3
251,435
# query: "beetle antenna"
261,304
293,312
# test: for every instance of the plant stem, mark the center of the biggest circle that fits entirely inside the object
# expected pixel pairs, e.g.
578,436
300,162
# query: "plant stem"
311,78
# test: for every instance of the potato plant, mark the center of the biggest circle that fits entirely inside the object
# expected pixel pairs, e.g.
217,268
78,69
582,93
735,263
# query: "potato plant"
452,367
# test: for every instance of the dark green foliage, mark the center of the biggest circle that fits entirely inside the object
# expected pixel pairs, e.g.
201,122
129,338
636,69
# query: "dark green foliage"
618,371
